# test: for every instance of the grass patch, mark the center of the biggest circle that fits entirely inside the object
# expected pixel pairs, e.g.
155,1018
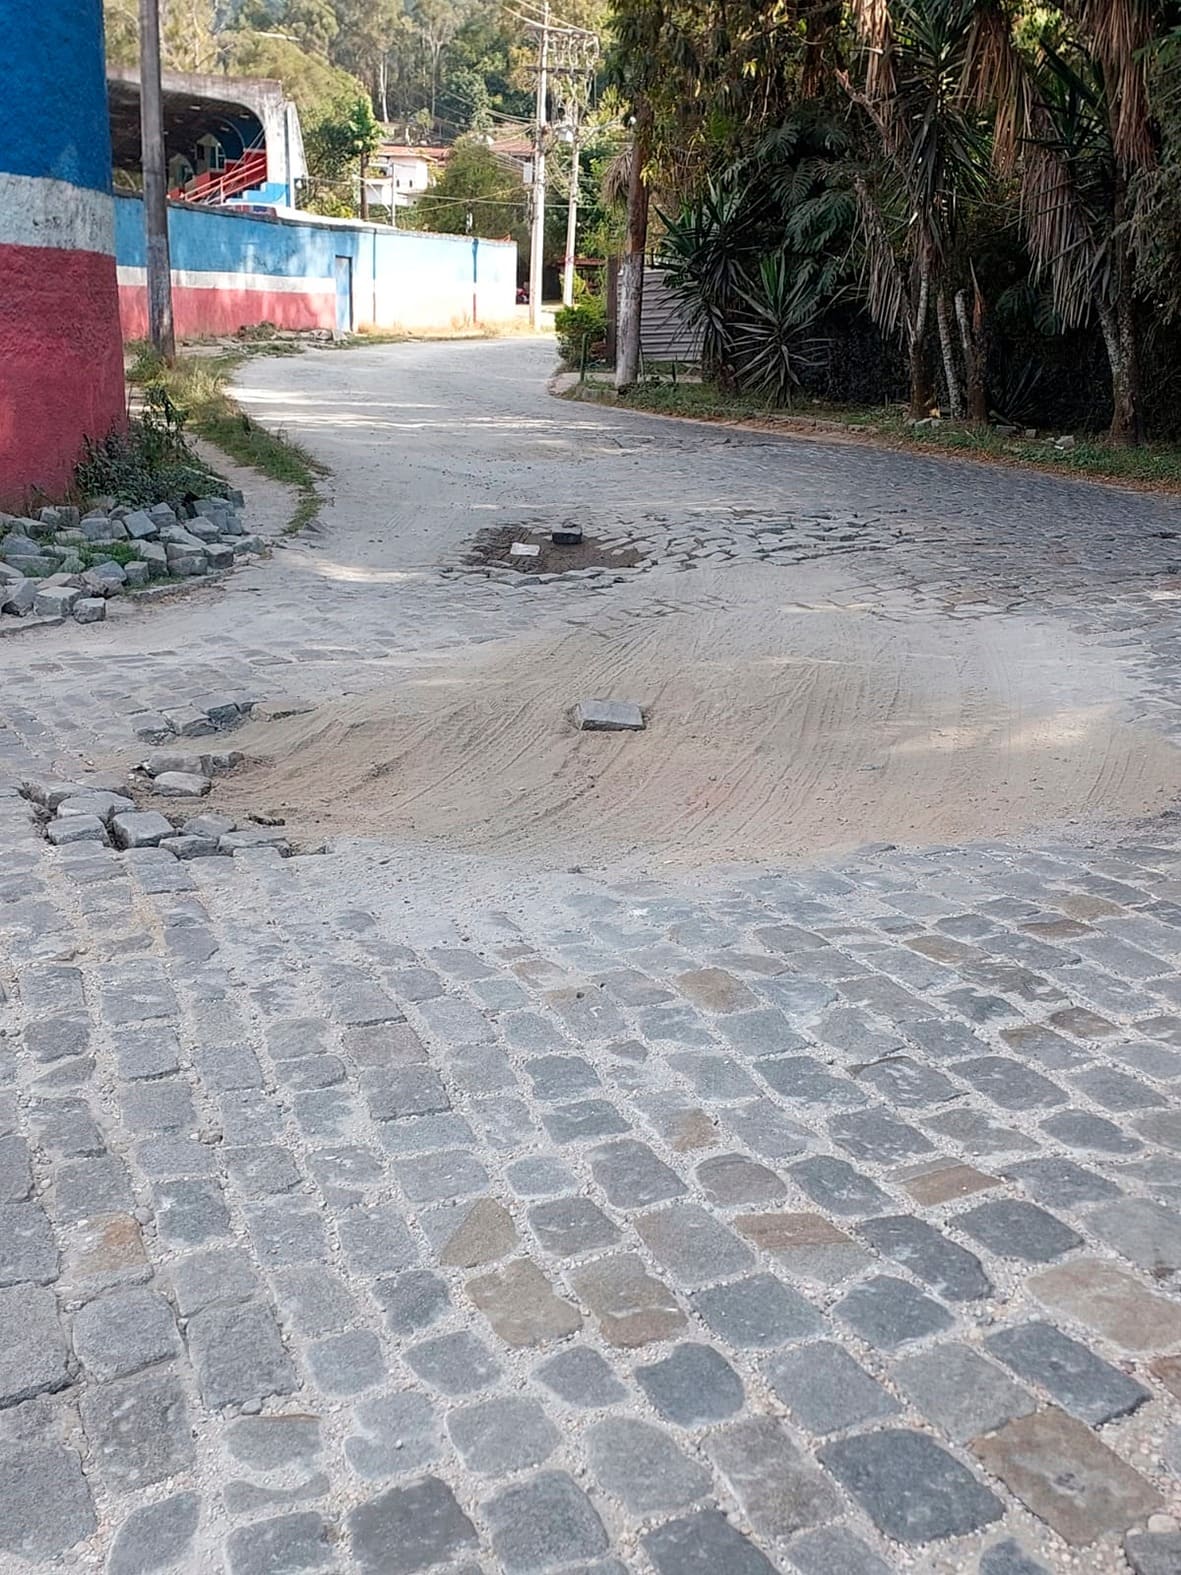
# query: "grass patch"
1153,466
197,385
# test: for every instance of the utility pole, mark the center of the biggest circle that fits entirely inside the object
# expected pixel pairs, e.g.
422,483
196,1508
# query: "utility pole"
151,122
537,235
571,223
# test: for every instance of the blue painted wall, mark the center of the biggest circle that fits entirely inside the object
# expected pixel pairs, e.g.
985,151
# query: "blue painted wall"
401,277
56,92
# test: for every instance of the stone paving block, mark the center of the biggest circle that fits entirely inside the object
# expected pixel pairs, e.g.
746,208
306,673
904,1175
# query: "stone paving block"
397,1091
412,1301
156,1536
32,1344
1009,1558
287,1230
455,1364
1061,1183
585,1118
950,1270
190,1213
643,1466
876,1136
1145,1233
692,1244
835,1185
780,1489
347,1364
1153,1553
704,1540
633,1307
1080,1129
450,1173
55,1037
268,1443
238,1354
825,1390
900,1080
570,1226
147,1053
632,1175
1010,1084
502,1435
732,1179
520,1304
288,1543
558,1077
887,1312
1067,1476
312,1299
486,1233
47,1507
833,1549
376,1240
396,1435
159,1105
808,1245
960,1392
1013,1229
1101,1297
802,1078
1081,1382
84,1188
762,1126
543,1521
911,1489
693,1384
581,1377
139,1430
757,1312
27,1248
120,1333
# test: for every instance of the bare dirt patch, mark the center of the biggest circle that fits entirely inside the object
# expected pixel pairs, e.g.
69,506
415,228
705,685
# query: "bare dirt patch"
494,547
778,728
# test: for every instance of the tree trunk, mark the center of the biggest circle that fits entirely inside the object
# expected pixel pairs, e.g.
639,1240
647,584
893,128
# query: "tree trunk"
973,336
383,86
951,372
920,370
631,267
1120,334
364,163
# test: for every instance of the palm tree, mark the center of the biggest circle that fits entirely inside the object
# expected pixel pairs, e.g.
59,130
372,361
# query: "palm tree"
1074,122
932,161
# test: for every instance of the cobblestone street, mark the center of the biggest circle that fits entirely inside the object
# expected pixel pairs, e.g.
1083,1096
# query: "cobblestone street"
391,1209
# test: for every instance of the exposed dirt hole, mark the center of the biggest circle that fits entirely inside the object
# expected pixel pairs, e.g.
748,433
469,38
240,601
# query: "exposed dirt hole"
494,547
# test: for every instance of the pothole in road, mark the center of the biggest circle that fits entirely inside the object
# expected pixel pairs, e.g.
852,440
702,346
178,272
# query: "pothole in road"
492,548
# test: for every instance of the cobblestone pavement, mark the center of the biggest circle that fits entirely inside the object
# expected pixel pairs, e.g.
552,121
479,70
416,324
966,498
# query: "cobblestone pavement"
819,1220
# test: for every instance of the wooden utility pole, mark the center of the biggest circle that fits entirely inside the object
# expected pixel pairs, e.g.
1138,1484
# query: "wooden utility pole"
630,298
151,124
537,234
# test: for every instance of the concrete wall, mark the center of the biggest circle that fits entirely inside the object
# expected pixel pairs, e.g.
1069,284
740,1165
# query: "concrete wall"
232,269
61,366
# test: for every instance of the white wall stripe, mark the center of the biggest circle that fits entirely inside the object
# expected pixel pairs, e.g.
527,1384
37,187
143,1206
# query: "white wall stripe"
36,212
199,279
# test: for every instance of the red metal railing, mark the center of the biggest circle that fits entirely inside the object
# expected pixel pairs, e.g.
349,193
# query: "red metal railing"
237,176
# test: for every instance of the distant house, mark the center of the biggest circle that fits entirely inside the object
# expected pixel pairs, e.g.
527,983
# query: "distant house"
397,173
227,139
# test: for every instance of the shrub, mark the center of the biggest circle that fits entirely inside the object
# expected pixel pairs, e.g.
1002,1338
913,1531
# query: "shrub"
581,330
149,463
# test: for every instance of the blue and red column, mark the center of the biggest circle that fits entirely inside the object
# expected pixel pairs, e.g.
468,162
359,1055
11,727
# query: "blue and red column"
61,355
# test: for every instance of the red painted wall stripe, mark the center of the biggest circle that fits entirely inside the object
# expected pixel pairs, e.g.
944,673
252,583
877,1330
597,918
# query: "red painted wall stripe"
196,311
62,364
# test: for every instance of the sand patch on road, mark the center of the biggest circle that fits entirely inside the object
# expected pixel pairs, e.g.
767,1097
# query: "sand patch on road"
777,730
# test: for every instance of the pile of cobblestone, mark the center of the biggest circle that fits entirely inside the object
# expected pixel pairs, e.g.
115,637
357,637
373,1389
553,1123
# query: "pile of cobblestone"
98,812
64,563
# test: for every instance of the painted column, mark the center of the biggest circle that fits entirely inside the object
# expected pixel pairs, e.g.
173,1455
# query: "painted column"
61,355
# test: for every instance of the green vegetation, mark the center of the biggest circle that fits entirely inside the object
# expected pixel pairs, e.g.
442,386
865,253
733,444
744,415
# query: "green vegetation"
1152,466
971,204
582,330
195,388
149,463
